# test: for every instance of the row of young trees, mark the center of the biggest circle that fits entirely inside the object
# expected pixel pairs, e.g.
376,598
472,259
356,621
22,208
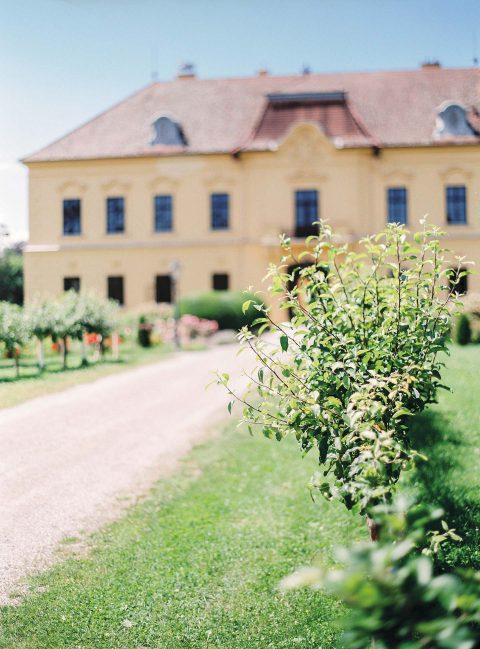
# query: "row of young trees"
70,316
361,355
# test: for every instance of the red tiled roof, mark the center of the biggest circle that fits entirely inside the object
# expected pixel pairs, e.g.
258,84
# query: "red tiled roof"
394,108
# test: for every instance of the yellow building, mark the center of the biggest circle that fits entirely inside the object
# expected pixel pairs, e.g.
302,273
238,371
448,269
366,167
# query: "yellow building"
208,173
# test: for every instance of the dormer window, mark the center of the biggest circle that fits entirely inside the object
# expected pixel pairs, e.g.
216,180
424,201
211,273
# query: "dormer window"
168,132
452,120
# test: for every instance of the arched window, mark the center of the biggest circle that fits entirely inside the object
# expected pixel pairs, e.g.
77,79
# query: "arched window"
167,131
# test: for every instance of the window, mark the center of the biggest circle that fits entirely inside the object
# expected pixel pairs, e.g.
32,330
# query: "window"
115,289
220,281
306,212
456,204
71,216
71,284
115,215
163,288
219,210
397,205
461,287
163,207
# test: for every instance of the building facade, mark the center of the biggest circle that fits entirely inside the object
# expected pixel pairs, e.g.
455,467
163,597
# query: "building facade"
209,173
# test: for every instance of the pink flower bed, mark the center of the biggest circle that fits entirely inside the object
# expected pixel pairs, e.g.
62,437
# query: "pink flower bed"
190,327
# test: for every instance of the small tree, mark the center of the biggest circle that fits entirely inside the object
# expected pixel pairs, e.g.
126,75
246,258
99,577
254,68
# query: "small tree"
14,331
98,316
463,330
41,315
358,358
69,321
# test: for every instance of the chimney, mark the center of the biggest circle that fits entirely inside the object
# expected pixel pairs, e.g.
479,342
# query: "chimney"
431,65
186,71
263,72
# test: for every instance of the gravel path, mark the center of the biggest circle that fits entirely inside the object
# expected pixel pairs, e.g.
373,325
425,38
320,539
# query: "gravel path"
69,459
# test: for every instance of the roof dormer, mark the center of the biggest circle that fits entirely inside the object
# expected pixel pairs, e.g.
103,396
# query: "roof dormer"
168,132
329,110
452,120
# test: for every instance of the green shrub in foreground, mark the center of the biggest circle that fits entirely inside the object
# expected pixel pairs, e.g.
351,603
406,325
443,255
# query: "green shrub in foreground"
359,357
223,306
392,590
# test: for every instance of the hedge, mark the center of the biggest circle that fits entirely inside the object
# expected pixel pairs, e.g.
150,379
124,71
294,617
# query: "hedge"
223,306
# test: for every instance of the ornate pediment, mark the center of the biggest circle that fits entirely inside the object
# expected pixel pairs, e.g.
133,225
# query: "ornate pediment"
306,177
305,143
399,176
455,174
162,183
219,181
71,188
114,185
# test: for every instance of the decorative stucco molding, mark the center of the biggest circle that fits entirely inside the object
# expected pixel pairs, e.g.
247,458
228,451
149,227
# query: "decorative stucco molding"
71,187
451,173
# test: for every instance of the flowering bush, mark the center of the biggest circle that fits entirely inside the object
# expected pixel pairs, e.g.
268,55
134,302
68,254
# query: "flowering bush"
190,328
92,339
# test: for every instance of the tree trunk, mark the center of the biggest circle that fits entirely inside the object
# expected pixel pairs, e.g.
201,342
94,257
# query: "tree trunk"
65,352
40,355
84,352
17,362
373,529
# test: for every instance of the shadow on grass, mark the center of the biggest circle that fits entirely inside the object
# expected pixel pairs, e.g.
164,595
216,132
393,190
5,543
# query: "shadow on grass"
437,481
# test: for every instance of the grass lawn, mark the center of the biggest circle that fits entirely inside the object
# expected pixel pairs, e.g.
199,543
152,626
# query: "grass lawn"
449,434
31,384
197,565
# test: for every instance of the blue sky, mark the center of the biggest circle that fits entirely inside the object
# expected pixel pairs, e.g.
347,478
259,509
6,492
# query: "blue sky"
63,61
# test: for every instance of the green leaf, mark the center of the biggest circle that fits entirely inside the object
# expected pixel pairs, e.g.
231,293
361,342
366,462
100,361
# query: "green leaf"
246,305
334,402
403,412
284,343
